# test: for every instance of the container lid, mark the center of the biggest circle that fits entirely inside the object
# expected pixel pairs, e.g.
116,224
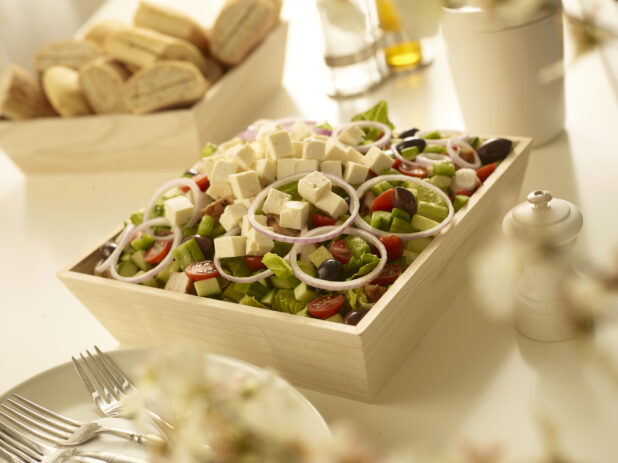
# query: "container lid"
544,220
477,19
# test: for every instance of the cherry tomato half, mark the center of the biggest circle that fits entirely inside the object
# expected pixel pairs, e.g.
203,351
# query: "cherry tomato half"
201,270
202,182
396,164
393,245
254,262
157,252
340,251
319,220
326,306
412,170
485,171
384,202
390,273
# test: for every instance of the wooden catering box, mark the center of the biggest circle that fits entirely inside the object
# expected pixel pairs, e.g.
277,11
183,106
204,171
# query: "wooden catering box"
351,361
167,139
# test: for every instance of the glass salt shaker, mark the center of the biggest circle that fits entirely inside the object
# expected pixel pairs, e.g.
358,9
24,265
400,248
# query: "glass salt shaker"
544,230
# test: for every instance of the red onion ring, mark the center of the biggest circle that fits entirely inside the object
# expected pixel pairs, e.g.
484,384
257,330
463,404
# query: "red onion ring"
429,159
252,279
456,156
177,236
459,134
176,182
353,209
103,266
380,143
339,285
404,236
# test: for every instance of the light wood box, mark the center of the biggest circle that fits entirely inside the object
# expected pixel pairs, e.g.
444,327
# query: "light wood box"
351,361
167,139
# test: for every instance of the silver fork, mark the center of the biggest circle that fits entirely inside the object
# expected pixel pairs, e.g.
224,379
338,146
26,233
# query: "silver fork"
17,448
58,429
108,386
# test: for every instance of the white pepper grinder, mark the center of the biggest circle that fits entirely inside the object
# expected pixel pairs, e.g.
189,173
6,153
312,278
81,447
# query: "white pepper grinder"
544,230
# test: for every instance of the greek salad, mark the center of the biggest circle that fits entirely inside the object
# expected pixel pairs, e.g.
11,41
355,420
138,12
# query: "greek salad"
298,217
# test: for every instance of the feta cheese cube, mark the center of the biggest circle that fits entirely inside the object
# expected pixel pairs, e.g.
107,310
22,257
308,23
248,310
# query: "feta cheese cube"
209,163
266,170
245,202
300,131
245,226
267,128
306,165
258,147
223,147
222,170
243,155
377,160
285,167
333,204
297,149
294,214
245,185
178,210
230,246
331,167
355,173
258,244
324,138
355,156
313,186
219,190
279,144
335,151
351,135
274,201
232,215
314,149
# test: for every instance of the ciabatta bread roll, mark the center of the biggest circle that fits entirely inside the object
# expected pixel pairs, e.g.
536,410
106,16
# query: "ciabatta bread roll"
143,47
165,84
21,96
102,81
240,26
61,85
171,22
99,32
71,53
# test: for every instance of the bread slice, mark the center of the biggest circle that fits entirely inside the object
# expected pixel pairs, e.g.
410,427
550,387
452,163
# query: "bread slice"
21,96
240,26
102,81
165,84
99,32
71,53
61,85
171,22
143,47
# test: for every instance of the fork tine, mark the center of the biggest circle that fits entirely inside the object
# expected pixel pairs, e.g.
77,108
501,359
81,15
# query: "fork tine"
101,383
40,409
104,374
29,425
19,446
98,400
125,383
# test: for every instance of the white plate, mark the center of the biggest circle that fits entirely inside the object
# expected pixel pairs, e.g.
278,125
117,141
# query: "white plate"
61,390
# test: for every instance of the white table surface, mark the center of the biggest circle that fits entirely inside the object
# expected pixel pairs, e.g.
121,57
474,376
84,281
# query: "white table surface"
471,379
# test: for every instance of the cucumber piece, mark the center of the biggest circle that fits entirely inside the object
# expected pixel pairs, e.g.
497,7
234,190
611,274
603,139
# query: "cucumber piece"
381,220
423,223
284,301
206,226
444,168
138,259
303,294
235,291
187,253
209,149
401,214
189,231
460,201
425,194
151,282
408,256
236,266
435,135
141,243
264,281
381,187
268,299
437,149
207,287
218,230
126,257
257,290
441,181
137,218
399,225
281,248
432,211
418,245
356,245
251,301
337,318
474,142
320,255
410,153
164,274
307,267
127,269
291,189
412,190
304,313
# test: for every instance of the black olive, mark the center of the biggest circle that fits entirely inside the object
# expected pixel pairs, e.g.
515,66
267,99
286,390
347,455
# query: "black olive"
204,243
352,318
106,250
331,270
494,149
408,133
410,142
192,172
404,199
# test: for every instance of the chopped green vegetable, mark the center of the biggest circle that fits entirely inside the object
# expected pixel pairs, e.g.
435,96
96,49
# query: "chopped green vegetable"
381,220
206,226
284,301
268,299
304,313
320,255
138,259
399,225
235,291
423,223
291,189
418,245
190,231
356,298
474,142
436,149
164,274
251,301
337,318
444,168
152,283
401,214
236,266
435,135
432,211
143,242
127,269
209,149
381,187
280,268
218,230
257,290
324,125
410,153
441,181
207,287
137,218
187,253
378,113
356,245
460,201
408,256
359,266
303,294
281,248
307,267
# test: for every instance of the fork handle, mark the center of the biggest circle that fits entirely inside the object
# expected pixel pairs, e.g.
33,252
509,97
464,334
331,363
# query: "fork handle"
112,457
140,438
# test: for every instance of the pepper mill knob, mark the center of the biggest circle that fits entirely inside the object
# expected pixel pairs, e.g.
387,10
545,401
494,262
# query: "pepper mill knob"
540,199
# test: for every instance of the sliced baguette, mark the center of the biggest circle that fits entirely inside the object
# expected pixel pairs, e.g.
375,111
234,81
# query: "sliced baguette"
102,81
21,95
165,84
171,22
71,53
240,26
61,85
99,32
143,47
